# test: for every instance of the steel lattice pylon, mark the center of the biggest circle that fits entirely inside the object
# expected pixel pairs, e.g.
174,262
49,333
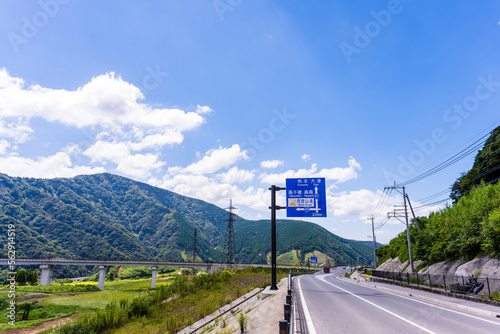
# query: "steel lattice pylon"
230,244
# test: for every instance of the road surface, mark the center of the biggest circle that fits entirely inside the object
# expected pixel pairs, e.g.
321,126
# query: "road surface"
328,304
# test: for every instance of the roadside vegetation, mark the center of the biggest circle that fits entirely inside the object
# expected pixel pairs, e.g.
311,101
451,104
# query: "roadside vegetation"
468,229
170,308
36,303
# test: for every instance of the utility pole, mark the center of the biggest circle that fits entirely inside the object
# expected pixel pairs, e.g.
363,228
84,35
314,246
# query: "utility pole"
230,244
374,244
395,215
194,246
273,208
408,231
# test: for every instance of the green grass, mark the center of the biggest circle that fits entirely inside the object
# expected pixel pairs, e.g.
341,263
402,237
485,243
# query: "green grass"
21,324
138,284
113,291
289,258
91,300
196,297
57,288
43,313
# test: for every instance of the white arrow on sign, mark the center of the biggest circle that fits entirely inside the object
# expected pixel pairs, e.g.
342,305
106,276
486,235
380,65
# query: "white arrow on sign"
316,208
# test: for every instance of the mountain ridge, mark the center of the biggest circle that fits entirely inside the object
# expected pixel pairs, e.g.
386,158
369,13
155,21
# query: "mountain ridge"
109,216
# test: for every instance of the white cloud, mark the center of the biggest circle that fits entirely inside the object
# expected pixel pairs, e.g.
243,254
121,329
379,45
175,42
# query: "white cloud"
57,165
4,145
271,163
235,175
337,174
157,140
202,110
17,131
305,157
217,159
138,165
107,102
103,151
359,203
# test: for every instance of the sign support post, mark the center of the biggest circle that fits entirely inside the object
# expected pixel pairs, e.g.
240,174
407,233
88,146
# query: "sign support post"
273,208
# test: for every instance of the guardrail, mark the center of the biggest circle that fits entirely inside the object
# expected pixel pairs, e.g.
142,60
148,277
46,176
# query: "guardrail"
485,287
286,326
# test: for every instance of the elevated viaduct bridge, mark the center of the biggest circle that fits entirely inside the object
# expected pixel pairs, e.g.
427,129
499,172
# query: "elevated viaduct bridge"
46,266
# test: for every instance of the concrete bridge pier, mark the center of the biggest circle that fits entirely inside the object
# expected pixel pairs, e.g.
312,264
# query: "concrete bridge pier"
102,275
46,274
153,278
213,268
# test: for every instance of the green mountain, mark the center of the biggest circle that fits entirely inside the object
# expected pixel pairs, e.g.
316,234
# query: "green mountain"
106,216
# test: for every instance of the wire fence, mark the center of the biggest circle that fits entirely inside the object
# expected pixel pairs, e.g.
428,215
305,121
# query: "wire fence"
482,287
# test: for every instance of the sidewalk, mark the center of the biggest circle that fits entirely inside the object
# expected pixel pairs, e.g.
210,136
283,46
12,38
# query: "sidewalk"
454,303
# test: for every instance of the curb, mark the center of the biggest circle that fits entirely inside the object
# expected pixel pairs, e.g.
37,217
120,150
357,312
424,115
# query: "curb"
220,312
452,305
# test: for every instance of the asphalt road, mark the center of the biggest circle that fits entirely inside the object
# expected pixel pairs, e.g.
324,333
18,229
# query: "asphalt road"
331,305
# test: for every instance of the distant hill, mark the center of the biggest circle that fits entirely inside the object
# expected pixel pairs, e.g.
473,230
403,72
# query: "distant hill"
106,216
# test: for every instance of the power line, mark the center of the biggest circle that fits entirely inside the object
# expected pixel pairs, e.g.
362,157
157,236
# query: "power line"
457,157
425,199
382,201
488,130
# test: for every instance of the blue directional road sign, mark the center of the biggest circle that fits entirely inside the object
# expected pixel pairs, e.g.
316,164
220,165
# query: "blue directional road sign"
306,197
314,259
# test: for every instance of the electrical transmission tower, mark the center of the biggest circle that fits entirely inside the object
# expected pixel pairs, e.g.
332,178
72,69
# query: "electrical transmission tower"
230,244
194,246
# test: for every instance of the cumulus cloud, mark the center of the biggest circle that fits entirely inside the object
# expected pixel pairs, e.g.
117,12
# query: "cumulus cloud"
336,174
106,100
235,175
124,129
217,159
359,203
195,181
57,165
4,145
137,165
271,163
203,110
16,130
305,157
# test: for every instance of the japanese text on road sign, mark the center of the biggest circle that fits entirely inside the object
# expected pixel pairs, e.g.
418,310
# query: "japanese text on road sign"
306,197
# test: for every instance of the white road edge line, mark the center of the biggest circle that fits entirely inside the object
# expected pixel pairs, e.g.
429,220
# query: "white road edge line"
321,278
434,305
310,325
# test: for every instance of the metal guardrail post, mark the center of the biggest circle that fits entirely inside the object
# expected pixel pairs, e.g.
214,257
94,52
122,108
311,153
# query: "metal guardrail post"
287,308
418,282
283,327
488,283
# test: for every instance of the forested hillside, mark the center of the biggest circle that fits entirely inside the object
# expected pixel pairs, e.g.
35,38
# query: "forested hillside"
470,227
486,168
465,230
106,216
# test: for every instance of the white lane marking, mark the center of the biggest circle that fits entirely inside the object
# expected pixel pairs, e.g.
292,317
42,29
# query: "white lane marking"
310,325
436,306
322,278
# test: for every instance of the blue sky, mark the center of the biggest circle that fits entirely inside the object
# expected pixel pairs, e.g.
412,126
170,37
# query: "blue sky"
220,99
